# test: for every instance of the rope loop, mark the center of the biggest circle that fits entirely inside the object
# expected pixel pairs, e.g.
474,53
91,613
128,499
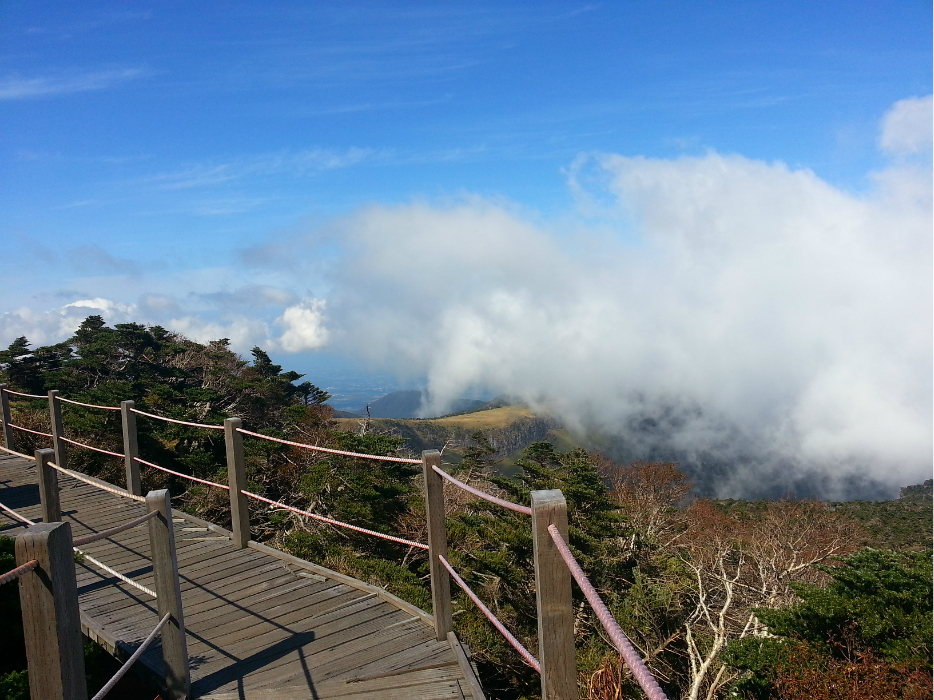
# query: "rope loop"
27,430
516,644
383,458
104,534
331,521
88,405
14,452
132,660
179,422
91,447
482,494
25,396
184,476
18,571
103,486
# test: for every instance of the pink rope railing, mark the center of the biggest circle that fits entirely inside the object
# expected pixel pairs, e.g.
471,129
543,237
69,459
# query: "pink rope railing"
90,447
184,476
14,452
635,663
27,430
132,660
482,494
516,644
328,449
88,405
99,564
97,483
104,534
391,538
180,422
17,516
18,571
27,396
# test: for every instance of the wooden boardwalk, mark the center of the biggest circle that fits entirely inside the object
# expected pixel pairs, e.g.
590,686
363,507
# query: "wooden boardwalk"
260,624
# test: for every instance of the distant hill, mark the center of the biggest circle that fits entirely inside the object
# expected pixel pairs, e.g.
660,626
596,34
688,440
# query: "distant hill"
510,430
406,404
346,414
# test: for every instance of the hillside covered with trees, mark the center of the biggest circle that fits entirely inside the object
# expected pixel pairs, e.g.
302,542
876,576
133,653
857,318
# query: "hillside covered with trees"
769,599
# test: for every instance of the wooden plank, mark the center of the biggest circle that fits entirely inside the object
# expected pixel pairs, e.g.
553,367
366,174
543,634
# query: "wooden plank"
197,597
116,555
130,448
339,658
467,670
310,566
195,623
406,679
48,487
51,622
168,590
415,684
556,652
437,544
193,595
353,615
340,635
252,622
266,603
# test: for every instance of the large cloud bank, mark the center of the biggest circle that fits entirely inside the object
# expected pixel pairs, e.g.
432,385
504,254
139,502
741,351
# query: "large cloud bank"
770,330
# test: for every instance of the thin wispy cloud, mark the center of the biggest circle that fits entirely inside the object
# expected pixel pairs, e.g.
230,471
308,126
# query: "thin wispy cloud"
20,88
298,164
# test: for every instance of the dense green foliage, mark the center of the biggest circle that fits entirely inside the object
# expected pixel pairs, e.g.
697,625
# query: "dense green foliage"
876,601
491,548
14,683
877,605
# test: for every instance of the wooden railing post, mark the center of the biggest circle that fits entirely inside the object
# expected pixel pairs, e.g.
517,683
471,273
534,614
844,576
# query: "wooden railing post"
130,448
48,487
58,429
168,590
7,419
437,544
553,597
236,479
51,622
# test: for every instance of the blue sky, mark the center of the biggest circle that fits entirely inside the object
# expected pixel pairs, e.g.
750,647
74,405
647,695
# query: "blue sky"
357,185
172,131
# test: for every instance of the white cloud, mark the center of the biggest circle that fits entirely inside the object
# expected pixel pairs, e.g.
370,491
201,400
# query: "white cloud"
17,88
243,332
296,163
54,325
907,127
751,313
105,306
304,326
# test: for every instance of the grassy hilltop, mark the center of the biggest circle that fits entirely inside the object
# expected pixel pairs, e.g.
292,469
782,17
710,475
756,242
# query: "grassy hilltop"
509,429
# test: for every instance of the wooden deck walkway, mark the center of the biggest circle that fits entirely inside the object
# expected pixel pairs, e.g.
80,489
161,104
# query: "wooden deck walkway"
260,624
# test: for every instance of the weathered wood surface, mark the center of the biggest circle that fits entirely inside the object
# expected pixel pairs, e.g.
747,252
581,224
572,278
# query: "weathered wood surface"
553,598
258,626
